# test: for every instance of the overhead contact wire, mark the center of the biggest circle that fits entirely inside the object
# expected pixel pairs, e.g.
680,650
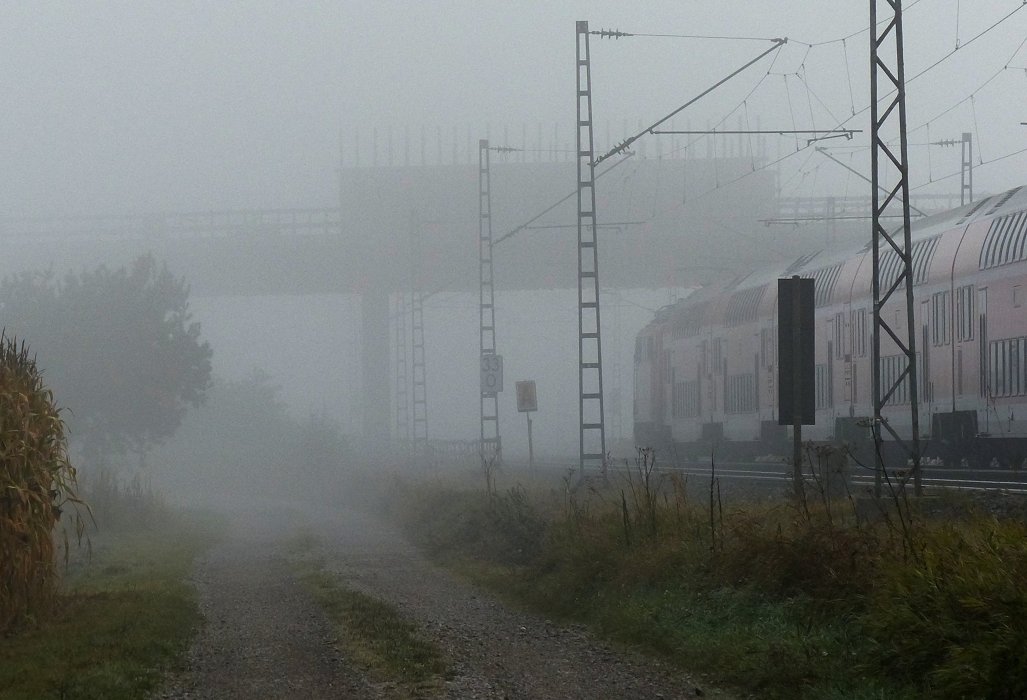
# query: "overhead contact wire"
778,43
970,41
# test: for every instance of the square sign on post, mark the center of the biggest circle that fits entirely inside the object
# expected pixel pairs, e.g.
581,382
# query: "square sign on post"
796,385
491,374
526,399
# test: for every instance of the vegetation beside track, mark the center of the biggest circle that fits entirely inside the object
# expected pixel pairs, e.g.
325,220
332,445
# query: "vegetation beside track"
774,598
123,618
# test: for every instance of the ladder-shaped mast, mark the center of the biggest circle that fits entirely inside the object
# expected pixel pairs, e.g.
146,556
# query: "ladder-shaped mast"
592,434
418,381
491,445
402,378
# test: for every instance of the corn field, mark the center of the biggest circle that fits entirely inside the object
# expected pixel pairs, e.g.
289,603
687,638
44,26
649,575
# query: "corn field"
36,482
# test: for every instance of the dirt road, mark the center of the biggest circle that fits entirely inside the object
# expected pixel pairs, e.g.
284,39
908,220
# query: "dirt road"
266,638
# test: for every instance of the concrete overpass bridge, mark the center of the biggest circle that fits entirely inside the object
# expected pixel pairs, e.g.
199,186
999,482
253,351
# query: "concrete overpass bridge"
666,223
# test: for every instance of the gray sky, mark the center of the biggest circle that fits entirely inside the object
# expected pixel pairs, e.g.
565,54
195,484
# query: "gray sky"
139,106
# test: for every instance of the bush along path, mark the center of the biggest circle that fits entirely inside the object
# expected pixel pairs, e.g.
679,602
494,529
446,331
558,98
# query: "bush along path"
351,610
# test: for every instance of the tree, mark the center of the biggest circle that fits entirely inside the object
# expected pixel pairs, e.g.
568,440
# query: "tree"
244,443
119,348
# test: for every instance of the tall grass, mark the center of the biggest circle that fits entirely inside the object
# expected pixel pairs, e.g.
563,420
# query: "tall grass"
36,483
785,598
123,504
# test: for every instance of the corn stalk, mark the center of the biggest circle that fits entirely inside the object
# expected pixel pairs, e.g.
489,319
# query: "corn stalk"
36,483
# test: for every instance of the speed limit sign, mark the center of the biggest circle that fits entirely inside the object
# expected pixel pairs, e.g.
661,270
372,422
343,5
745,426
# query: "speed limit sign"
491,374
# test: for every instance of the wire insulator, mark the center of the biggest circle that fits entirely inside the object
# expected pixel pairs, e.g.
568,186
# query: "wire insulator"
610,34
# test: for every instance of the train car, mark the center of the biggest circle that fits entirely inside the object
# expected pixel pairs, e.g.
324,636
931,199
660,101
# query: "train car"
705,367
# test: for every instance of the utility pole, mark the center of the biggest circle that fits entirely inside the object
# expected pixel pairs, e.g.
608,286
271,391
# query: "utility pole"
896,189
966,171
592,432
491,446
966,180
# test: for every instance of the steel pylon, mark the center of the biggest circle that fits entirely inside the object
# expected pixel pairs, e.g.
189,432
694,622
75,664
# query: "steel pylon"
890,176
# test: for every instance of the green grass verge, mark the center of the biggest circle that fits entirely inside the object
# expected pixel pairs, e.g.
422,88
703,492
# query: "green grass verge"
124,620
371,632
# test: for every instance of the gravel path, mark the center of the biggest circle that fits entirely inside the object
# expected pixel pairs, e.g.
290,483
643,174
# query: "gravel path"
265,638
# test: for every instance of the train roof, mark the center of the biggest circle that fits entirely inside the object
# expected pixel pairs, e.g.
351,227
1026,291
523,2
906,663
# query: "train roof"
822,264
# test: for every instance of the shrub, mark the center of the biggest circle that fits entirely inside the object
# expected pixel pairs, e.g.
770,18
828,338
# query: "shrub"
36,481
955,619
503,527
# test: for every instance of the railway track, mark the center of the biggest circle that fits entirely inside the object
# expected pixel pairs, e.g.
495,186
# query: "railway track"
954,478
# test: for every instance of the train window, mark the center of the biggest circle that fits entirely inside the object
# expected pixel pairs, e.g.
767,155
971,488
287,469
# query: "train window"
766,347
1017,296
718,355
940,318
839,336
1007,367
686,399
740,394
823,282
982,339
743,306
1003,199
959,371
859,332
689,322
1005,242
922,254
892,367
821,387
965,312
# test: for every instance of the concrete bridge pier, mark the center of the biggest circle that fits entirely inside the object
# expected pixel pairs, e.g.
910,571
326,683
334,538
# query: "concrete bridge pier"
374,309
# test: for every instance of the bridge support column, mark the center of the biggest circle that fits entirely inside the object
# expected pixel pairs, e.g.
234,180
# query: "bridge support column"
374,309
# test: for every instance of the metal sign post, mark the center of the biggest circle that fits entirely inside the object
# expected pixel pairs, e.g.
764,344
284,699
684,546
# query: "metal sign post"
796,386
527,401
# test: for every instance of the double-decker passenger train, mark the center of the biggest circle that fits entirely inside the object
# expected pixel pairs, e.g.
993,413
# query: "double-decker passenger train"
706,367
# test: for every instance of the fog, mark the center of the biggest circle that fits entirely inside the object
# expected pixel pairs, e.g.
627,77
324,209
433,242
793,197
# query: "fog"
149,108
145,106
